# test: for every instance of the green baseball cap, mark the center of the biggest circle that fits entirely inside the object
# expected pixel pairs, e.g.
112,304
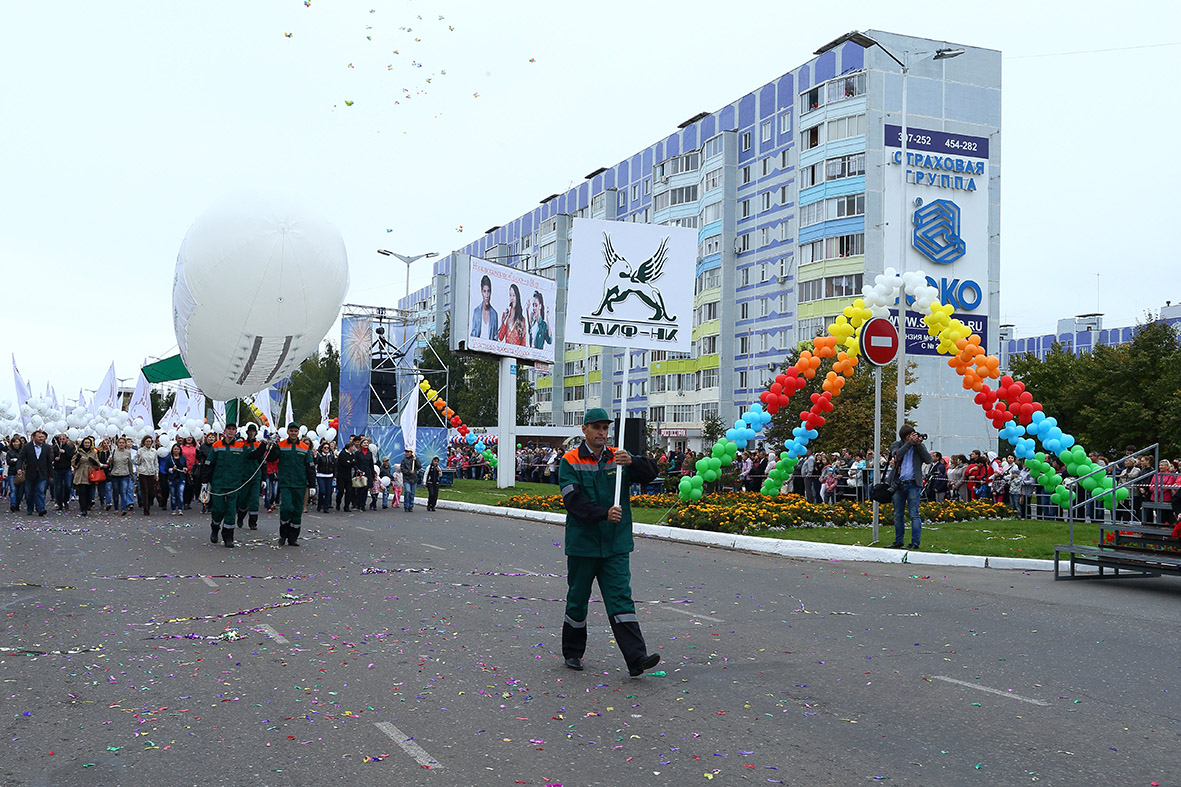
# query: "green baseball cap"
594,415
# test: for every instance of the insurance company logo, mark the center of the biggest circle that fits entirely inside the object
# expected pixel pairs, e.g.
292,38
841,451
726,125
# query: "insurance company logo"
937,230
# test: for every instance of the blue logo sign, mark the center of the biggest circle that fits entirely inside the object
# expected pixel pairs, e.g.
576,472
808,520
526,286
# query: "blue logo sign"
937,231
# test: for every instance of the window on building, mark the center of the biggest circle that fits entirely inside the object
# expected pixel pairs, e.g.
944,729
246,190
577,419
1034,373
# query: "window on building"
545,394
598,202
659,383
767,130
785,123
547,250
706,312
813,327
745,141
845,166
573,393
708,379
812,213
622,201
843,128
812,99
711,245
784,195
845,87
570,418
811,252
846,286
742,243
656,414
707,345
713,146
744,277
744,310
660,201
682,413
784,230
764,236
709,409
686,163
711,213
744,209
768,165
810,137
747,175
713,179
684,221
684,194
635,191
594,391
618,390
812,175
743,345
647,186
844,246
765,201
743,378
572,368
842,207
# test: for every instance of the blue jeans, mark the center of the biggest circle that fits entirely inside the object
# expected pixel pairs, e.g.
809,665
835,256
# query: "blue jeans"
16,493
270,491
907,495
176,491
323,493
408,488
63,487
103,493
35,495
121,491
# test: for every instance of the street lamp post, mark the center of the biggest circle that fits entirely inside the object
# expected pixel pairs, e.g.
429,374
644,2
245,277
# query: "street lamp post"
408,259
943,53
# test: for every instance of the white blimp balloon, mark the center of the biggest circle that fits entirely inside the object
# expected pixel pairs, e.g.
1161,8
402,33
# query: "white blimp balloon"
259,281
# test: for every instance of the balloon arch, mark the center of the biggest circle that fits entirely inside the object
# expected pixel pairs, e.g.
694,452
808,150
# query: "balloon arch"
1008,405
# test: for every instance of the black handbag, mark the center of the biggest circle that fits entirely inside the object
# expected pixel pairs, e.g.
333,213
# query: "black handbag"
881,493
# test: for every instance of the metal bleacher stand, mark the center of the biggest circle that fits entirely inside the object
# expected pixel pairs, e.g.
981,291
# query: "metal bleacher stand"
1137,548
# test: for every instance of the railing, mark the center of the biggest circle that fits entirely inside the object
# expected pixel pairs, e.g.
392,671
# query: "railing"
1085,497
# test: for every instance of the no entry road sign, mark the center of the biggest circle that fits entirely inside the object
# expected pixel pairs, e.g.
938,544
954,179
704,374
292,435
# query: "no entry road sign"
879,341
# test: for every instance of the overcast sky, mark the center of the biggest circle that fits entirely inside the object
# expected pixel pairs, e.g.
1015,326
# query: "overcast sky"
120,122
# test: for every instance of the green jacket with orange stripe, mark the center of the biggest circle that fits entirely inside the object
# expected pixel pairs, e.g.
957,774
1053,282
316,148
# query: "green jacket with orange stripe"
588,491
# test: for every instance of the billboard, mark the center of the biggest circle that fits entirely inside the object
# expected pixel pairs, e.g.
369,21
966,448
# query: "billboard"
631,285
937,198
502,311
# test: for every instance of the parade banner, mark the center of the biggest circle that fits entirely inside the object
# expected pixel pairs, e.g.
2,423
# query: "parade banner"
506,312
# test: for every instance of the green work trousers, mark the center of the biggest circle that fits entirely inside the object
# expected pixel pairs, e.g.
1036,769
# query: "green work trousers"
223,508
614,575
291,504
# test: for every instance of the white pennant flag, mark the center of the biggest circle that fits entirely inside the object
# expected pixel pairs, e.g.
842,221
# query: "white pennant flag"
141,401
196,408
409,422
177,414
262,400
219,412
23,394
325,404
107,393
290,417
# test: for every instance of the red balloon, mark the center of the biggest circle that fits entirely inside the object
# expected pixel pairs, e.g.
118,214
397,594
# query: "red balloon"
772,408
1026,398
765,397
781,379
1006,381
776,388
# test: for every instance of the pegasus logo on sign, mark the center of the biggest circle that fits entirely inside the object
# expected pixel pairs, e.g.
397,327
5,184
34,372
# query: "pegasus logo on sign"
937,231
622,281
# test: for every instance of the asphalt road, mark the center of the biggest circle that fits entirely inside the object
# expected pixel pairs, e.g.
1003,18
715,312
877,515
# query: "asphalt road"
424,648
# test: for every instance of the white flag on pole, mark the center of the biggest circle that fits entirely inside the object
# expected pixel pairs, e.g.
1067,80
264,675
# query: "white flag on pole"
141,401
196,408
107,393
23,394
219,412
409,422
325,404
290,415
262,400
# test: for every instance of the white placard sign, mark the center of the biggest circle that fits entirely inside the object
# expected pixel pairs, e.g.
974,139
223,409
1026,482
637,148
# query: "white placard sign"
631,285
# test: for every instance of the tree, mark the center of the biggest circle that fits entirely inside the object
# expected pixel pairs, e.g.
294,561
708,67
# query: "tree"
712,430
160,404
473,388
309,381
850,424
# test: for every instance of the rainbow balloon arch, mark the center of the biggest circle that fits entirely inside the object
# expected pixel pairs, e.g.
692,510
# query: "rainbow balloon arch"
1012,409
455,422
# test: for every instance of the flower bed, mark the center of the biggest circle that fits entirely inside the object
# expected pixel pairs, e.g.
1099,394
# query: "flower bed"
747,512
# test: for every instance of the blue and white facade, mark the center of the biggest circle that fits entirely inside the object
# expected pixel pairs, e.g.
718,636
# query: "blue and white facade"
788,187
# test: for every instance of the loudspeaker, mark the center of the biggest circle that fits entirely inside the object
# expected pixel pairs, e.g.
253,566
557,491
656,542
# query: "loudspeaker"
383,392
635,436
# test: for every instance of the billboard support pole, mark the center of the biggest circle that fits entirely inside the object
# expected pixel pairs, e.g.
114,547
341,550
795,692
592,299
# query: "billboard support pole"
627,362
506,449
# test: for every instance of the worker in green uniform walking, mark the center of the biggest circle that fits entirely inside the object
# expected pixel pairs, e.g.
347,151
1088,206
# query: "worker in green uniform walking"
297,471
224,471
252,473
599,541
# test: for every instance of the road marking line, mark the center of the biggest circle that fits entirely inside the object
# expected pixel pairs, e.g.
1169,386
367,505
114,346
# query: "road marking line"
209,582
367,530
990,690
523,571
696,615
270,632
170,550
432,546
408,745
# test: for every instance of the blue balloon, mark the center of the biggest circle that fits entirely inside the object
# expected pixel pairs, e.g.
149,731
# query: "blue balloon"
812,434
1053,445
1067,441
740,424
740,442
731,434
756,408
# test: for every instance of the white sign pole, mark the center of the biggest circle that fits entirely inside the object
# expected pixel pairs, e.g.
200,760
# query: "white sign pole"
627,362
506,449
877,442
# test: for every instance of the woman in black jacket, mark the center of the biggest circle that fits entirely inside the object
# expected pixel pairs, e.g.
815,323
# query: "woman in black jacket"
325,475
14,465
433,476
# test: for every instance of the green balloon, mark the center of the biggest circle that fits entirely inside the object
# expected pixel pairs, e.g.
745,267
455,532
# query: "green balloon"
714,463
1122,494
695,494
696,481
685,484
1072,469
1065,455
702,464
719,449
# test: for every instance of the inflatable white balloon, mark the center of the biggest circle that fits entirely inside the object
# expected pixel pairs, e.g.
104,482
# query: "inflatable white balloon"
258,284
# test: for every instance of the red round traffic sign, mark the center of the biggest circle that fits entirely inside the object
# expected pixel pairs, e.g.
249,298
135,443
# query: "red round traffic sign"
879,341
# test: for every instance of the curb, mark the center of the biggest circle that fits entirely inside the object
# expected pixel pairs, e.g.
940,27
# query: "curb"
778,546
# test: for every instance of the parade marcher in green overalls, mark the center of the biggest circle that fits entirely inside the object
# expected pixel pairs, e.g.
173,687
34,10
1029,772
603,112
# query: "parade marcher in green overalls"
297,471
224,470
599,541
252,475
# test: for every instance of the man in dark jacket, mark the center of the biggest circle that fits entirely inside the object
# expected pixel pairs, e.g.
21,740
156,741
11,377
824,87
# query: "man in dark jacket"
63,472
344,475
599,541
905,479
37,461
411,467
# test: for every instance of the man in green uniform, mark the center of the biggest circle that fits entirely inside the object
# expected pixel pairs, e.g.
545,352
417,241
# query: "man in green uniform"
297,467
224,471
599,541
252,473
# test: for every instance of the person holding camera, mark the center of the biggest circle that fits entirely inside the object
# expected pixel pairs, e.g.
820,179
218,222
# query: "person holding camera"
905,479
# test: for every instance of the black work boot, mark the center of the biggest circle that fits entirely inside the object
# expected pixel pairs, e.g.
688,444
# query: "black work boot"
573,642
283,527
227,536
254,521
216,532
292,536
241,517
631,643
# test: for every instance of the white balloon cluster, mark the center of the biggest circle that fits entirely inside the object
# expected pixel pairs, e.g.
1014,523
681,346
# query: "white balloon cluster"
888,286
76,423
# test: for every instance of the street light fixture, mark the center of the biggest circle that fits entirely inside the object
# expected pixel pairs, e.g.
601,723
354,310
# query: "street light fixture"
408,259
943,53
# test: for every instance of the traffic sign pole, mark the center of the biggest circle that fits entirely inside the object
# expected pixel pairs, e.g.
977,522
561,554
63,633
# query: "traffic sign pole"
877,443
880,345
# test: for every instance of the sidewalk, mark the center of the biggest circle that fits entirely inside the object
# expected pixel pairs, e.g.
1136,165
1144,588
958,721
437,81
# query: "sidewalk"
777,546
